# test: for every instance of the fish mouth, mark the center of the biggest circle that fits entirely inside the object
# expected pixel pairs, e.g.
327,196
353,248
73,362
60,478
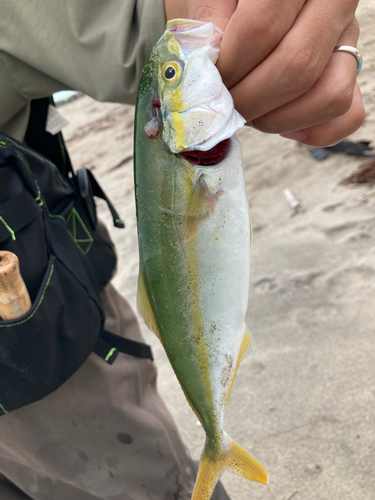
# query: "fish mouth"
207,158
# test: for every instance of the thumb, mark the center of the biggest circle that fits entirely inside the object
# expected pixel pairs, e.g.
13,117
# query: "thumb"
216,11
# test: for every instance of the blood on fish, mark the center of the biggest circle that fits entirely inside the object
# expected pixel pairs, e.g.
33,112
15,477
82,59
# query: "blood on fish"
156,103
208,158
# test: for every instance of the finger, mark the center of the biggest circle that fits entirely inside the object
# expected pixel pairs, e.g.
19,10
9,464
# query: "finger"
254,30
331,96
296,63
216,11
334,131
175,9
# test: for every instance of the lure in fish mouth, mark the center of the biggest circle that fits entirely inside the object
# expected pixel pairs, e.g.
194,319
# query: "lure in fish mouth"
194,232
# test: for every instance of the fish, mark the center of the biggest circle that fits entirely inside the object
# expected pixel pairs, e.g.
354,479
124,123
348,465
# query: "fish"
194,232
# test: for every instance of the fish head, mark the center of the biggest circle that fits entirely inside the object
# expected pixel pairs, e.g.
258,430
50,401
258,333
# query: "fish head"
192,108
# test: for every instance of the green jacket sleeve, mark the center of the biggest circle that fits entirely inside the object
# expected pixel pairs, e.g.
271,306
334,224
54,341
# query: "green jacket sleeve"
95,46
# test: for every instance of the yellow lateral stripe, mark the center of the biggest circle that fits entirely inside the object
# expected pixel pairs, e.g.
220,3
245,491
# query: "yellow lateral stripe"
194,293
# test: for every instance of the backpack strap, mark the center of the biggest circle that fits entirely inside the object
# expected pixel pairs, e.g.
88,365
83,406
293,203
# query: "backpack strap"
110,344
99,193
51,146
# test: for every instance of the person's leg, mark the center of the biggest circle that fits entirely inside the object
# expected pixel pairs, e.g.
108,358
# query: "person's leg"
132,330
104,434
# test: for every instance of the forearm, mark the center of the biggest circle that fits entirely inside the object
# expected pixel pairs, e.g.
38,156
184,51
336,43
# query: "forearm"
93,46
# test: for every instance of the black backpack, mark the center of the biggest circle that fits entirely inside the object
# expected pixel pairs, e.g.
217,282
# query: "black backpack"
48,219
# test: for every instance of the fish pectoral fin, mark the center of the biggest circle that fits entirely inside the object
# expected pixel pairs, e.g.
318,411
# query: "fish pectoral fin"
145,305
200,205
245,344
236,459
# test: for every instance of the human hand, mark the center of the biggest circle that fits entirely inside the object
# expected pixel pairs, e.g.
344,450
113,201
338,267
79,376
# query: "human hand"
276,58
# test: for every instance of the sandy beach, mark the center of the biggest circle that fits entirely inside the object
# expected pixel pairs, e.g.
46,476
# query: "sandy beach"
304,402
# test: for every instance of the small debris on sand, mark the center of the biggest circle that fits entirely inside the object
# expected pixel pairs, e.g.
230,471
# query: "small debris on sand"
365,174
292,495
292,201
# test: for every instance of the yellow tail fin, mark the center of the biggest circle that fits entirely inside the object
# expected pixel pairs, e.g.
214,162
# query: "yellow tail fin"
236,459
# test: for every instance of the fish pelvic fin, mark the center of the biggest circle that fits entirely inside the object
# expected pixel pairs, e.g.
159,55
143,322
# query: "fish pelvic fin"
245,344
235,459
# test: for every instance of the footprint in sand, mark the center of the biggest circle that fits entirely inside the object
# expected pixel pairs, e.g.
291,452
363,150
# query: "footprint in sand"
305,281
353,277
353,237
332,208
265,285
349,232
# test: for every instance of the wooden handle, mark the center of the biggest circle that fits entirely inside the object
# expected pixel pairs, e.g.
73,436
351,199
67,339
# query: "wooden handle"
14,297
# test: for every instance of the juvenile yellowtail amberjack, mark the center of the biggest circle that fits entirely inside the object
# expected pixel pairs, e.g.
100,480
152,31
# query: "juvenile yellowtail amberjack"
194,232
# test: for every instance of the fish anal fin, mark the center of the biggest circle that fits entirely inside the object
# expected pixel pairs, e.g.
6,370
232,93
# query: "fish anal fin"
236,459
245,344
145,305
247,340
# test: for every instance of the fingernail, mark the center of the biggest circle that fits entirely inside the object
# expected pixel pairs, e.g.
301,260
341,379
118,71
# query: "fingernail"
297,135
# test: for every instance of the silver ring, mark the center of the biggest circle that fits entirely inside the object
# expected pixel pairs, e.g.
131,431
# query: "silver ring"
353,51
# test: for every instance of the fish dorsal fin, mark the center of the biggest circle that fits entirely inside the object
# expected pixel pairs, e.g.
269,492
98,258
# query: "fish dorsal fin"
245,344
145,305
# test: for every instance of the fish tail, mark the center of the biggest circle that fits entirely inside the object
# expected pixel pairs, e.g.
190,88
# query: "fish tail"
236,459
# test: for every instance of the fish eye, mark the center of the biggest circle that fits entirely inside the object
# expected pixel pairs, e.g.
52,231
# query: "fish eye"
171,72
